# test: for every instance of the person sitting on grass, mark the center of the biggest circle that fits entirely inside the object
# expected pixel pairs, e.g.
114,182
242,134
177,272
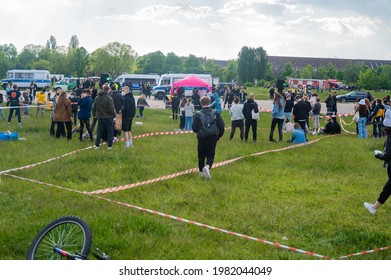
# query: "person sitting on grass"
288,127
298,135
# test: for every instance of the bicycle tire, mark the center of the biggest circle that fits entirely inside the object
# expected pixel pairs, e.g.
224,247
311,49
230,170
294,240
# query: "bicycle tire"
69,233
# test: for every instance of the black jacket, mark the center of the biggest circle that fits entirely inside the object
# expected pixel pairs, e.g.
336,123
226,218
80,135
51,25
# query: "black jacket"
300,111
248,106
386,156
197,122
118,100
129,107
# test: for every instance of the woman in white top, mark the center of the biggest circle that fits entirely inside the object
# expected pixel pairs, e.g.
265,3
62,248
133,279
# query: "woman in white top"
236,113
189,112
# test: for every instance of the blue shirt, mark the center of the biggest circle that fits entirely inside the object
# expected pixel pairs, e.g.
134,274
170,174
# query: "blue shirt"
298,136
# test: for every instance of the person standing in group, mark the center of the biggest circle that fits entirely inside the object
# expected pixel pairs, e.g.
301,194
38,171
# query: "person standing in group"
182,117
363,112
148,90
128,113
141,103
236,113
334,103
54,99
41,101
228,97
103,109
288,107
242,95
1,104
386,157
377,118
85,104
33,90
26,102
118,104
216,102
329,105
13,98
248,107
316,115
300,112
63,116
189,112
175,106
74,98
209,127
278,116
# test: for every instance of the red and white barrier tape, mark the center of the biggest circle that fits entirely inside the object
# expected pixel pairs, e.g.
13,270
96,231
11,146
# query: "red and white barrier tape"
342,122
204,225
366,252
90,147
170,176
216,228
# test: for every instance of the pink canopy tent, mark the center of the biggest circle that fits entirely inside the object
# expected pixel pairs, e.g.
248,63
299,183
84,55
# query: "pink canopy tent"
190,81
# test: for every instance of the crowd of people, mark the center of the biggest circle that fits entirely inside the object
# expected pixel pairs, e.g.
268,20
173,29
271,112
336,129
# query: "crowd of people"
291,113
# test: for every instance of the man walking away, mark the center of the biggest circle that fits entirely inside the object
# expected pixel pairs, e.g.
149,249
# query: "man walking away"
209,127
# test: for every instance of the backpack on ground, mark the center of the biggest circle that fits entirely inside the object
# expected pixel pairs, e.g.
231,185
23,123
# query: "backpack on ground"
208,123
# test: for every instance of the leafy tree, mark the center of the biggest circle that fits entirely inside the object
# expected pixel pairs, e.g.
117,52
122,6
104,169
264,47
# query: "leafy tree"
306,72
10,53
114,58
51,44
261,63
4,65
192,65
40,64
173,63
78,60
230,72
212,68
321,73
351,71
151,63
331,71
29,54
269,72
246,65
287,70
74,42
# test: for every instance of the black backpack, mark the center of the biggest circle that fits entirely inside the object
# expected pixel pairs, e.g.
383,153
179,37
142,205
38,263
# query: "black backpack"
208,123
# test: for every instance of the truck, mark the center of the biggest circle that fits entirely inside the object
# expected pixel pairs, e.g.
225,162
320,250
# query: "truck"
166,81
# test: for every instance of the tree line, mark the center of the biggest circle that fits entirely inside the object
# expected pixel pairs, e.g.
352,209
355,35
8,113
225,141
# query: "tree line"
251,67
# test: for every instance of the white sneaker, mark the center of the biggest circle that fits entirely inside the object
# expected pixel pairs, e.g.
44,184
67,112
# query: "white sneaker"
109,148
206,172
370,208
96,147
202,175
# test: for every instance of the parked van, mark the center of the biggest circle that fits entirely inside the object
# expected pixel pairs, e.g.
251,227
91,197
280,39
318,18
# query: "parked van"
137,79
66,84
168,79
23,78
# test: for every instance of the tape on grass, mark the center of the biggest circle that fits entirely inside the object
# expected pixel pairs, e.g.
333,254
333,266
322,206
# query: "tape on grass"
278,245
193,170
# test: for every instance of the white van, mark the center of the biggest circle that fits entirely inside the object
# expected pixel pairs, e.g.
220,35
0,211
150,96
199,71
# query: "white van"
23,78
169,79
135,80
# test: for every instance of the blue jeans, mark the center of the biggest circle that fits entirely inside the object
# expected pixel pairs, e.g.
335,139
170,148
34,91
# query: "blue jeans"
188,123
362,127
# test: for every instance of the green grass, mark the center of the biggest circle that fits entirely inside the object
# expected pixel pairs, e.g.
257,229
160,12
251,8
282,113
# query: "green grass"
309,197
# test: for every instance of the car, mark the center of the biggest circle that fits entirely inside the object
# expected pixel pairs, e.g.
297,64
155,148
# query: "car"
352,96
66,84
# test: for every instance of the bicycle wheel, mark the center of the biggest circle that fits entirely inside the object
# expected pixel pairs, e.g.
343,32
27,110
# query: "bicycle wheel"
69,233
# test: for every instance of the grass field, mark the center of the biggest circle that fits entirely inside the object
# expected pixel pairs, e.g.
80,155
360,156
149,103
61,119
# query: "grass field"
310,197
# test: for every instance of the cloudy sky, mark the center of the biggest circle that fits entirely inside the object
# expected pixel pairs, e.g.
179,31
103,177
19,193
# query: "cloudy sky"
215,29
